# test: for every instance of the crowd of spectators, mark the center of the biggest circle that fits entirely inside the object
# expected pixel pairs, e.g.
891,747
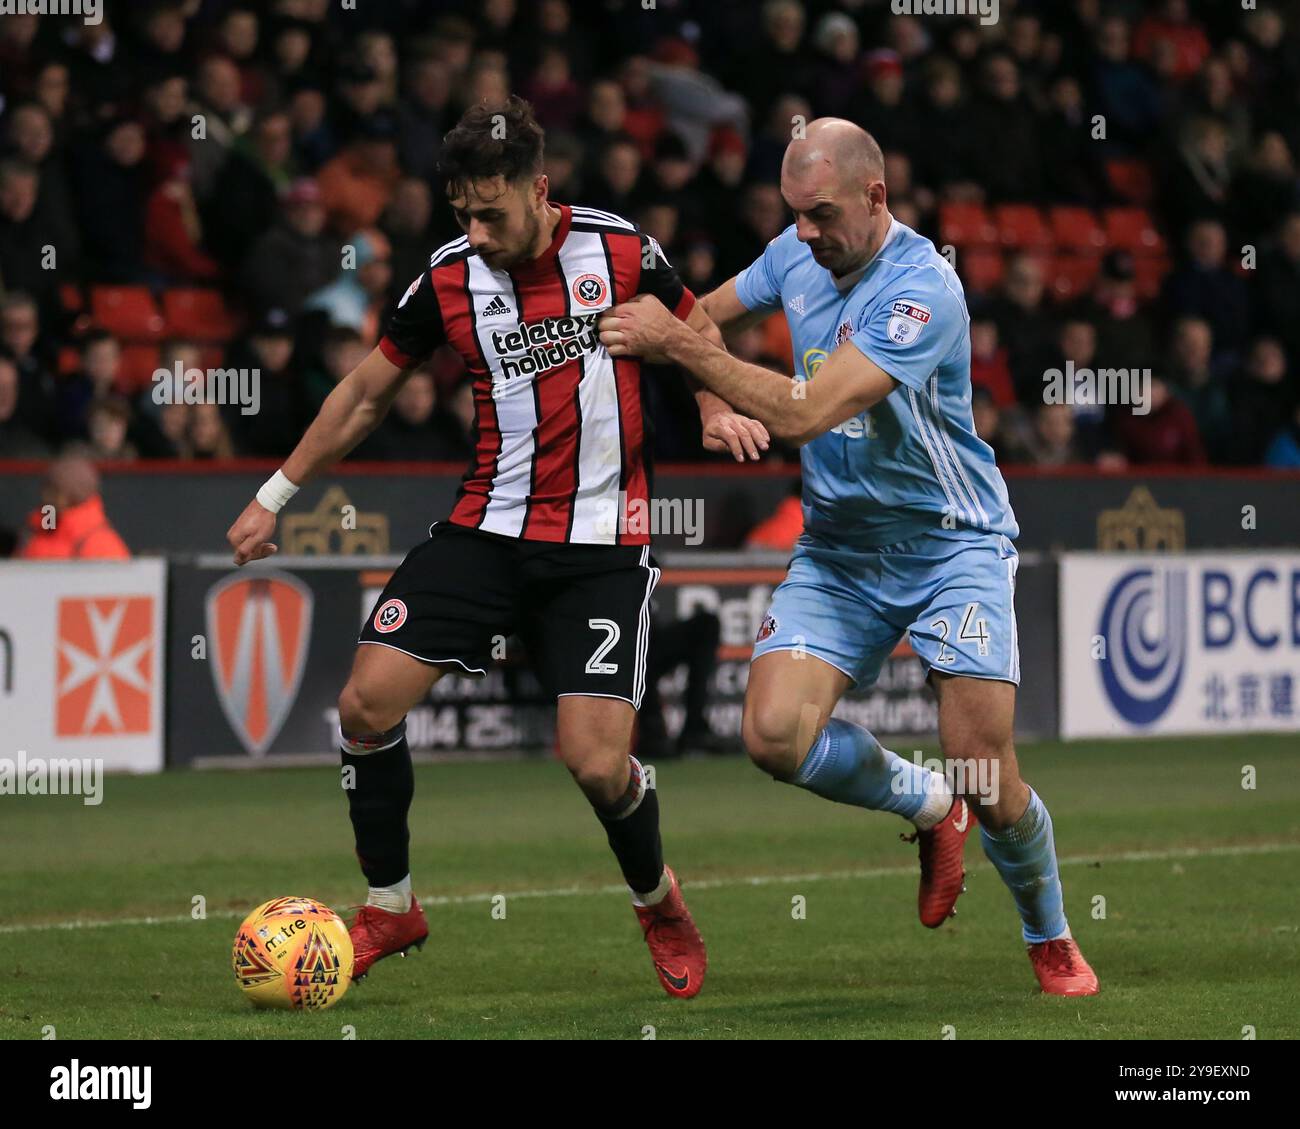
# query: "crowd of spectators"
285,153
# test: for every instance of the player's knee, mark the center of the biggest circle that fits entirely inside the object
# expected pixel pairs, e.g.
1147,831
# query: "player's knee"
983,768
596,755
362,711
769,736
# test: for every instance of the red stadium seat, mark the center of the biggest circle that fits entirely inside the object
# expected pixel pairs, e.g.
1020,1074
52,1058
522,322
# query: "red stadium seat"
137,369
1131,229
71,298
1021,225
1149,275
199,315
127,312
966,225
1131,180
69,360
1076,229
980,268
1071,276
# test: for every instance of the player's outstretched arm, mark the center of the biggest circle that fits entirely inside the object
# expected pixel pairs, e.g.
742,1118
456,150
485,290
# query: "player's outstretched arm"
795,411
723,429
351,412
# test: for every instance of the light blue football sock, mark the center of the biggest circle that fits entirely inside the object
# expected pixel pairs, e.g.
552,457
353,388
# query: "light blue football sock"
1025,855
848,765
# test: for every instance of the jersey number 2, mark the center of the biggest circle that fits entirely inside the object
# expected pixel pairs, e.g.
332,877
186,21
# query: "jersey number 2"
595,664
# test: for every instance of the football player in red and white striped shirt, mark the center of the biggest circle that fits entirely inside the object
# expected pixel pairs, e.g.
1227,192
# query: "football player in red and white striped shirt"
538,543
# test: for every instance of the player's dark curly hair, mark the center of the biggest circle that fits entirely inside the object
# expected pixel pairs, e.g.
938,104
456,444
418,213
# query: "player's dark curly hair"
492,141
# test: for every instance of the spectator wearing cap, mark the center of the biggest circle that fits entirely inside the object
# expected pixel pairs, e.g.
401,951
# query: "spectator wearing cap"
294,258
356,185
248,188
80,529
880,107
355,299
362,97
282,415
173,246
670,174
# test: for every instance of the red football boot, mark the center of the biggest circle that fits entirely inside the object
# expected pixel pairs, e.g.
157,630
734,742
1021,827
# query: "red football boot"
1061,969
942,870
675,944
377,933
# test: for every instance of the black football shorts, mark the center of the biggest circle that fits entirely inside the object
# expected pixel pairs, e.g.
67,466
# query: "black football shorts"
582,611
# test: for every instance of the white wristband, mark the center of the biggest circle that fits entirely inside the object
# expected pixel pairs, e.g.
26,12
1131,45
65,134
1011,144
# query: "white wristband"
275,492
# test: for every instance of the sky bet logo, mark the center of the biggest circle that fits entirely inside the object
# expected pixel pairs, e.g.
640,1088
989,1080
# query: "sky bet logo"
546,344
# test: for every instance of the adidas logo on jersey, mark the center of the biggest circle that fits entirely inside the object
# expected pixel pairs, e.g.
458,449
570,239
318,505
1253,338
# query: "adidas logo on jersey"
796,304
495,308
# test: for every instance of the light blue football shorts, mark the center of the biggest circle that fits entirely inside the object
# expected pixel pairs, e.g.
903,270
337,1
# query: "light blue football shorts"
952,591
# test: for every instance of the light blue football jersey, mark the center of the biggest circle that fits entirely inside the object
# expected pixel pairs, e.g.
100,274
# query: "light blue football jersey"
898,468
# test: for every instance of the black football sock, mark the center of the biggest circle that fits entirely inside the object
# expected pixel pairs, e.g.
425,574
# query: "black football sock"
382,787
632,824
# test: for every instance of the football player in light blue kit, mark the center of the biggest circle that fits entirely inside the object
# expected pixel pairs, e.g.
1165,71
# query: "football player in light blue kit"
907,529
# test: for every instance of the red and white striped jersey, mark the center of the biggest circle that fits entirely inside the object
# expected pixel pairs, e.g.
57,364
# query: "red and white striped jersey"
559,453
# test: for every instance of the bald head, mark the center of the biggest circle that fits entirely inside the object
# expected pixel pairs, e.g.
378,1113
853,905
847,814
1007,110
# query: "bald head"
838,146
71,479
833,178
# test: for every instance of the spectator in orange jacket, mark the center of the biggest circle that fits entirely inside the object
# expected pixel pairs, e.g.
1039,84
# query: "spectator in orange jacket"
79,529
785,525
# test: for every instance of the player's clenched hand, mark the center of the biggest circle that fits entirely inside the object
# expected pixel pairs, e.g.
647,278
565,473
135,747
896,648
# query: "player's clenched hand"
730,431
251,534
639,328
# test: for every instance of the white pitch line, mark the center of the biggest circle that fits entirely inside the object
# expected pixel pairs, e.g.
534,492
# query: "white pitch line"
1170,855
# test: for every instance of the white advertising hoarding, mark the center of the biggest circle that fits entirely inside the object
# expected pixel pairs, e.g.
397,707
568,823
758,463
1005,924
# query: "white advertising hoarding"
81,661
1179,643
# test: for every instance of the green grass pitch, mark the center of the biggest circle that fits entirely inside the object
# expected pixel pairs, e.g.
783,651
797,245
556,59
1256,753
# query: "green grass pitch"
1200,936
